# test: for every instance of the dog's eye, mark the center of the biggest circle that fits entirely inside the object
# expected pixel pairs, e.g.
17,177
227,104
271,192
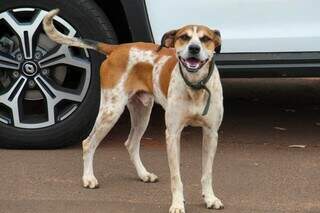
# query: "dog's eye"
205,39
185,37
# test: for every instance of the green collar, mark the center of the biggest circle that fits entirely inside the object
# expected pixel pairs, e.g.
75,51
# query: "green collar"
200,84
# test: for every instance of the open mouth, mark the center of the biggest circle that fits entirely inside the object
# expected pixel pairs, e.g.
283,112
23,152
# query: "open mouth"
192,64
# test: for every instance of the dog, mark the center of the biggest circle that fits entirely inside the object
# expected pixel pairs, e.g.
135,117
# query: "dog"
180,75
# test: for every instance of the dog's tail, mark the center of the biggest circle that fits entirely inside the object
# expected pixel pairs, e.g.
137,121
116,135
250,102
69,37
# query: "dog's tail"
60,38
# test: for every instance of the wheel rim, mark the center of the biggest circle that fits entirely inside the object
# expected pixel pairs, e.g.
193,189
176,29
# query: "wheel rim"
41,83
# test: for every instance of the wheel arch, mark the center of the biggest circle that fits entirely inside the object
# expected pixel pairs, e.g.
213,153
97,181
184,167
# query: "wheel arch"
129,19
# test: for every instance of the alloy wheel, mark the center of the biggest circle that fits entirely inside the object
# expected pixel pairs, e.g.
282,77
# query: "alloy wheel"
41,83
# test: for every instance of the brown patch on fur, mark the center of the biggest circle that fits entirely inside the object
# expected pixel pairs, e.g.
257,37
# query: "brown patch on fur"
115,65
171,38
165,74
209,45
215,40
185,30
106,48
140,78
212,34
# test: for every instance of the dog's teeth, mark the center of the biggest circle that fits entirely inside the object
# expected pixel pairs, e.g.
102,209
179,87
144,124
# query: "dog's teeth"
193,66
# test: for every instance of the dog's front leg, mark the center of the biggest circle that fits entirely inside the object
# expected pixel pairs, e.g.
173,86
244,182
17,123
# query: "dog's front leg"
209,146
173,133
173,150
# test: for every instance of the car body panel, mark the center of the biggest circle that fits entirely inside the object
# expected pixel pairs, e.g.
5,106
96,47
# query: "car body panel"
245,25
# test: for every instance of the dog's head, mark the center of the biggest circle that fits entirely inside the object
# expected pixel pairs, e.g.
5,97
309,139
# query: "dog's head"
195,45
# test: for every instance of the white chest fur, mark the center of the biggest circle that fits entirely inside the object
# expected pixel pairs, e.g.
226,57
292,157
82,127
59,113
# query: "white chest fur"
189,104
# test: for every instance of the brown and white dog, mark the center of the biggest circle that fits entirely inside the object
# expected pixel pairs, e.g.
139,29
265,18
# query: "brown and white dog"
137,74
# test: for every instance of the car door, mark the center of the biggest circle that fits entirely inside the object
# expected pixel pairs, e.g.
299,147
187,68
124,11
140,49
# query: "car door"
245,25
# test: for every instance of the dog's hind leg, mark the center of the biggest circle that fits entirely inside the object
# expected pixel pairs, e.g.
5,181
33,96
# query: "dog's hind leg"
112,104
209,146
140,106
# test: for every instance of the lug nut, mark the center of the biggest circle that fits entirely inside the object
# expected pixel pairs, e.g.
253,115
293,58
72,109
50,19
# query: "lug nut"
31,84
15,74
19,57
45,72
38,55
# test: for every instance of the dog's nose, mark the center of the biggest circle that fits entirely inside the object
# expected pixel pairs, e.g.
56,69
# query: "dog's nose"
194,49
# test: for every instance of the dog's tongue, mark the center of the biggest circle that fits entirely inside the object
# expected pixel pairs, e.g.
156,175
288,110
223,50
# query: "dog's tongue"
193,62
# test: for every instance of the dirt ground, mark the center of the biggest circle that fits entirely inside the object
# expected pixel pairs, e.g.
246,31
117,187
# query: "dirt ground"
255,170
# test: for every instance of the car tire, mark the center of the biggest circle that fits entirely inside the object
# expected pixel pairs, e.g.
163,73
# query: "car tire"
90,22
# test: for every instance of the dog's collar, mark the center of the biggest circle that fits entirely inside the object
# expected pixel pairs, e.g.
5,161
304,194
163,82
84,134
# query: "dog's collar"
200,84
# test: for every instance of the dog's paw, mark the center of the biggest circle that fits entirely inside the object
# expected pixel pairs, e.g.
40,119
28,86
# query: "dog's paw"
149,178
213,203
176,209
90,182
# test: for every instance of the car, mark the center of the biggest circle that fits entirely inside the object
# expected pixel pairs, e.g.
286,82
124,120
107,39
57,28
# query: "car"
49,94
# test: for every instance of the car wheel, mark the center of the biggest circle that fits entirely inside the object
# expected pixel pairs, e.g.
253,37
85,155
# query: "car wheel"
49,93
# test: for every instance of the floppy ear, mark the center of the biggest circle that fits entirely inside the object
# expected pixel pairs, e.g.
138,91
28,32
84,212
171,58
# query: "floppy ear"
217,40
168,39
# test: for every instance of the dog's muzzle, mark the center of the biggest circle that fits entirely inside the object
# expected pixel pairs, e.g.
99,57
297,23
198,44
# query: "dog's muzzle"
192,64
192,60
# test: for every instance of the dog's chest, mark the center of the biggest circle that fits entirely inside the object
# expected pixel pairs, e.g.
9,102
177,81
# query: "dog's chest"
195,102
189,104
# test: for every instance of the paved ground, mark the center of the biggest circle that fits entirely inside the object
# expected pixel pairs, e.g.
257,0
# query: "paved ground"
255,171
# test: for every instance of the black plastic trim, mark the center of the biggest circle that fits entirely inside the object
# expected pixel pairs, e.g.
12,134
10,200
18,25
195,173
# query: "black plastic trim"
255,65
138,20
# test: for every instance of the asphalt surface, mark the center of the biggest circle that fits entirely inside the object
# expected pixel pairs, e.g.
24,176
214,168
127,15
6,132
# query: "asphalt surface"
255,170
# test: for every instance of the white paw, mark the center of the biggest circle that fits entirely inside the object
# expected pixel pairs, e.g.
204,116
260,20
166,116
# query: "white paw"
149,178
176,209
213,202
90,182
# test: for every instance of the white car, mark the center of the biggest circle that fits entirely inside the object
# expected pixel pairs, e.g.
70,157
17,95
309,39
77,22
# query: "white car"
49,94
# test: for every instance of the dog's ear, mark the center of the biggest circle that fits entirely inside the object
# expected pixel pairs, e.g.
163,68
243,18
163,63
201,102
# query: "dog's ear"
168,39
217,40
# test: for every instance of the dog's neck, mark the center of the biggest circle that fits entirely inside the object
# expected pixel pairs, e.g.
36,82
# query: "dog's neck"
198,84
